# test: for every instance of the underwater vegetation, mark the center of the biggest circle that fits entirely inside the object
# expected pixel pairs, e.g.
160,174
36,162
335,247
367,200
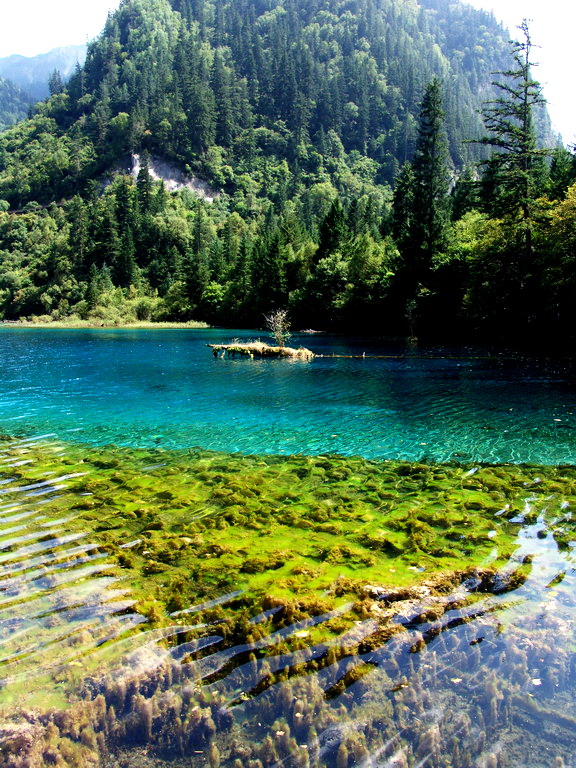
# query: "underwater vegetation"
203,609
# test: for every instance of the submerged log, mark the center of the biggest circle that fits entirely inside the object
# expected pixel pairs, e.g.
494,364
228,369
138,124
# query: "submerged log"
259,349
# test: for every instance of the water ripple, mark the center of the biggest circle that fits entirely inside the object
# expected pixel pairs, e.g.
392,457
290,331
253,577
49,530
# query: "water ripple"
58,598
165,389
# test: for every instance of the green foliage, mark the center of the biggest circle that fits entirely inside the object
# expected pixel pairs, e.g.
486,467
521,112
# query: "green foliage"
515,166
421,208
298,116
431,182
260,90
14,104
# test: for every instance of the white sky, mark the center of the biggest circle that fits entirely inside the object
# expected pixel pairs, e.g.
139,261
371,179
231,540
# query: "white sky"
30,27
552,24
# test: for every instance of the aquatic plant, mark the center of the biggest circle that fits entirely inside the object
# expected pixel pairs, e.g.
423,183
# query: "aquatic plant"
313,591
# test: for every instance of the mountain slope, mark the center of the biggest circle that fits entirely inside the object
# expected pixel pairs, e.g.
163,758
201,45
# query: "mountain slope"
31,74
298,113
14,104
296,81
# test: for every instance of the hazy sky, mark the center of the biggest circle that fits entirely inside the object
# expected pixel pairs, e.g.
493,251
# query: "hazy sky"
29,27
35,26
552,25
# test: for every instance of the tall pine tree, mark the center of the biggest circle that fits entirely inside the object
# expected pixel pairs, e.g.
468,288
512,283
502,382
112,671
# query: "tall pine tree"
421,209
431,182
515,167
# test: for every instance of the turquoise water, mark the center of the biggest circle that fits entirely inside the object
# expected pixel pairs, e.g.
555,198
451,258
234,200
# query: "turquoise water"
480,677
164,388
479,674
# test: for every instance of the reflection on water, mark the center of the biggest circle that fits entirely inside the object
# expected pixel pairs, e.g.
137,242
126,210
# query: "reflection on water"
454,671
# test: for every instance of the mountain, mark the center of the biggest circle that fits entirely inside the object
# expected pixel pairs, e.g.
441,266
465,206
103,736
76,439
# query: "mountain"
297,116
240,88
14,104
31,74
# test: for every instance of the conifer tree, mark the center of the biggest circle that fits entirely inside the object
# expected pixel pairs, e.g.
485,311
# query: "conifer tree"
125,262
79,234
144,184
269,273
511,181
240,287
55,84
466,194
222,94
92,290
562,172
196,277
421,209
333,230
403,207
514,178
431,181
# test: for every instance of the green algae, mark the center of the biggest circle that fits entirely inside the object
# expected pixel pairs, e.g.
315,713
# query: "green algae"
307,533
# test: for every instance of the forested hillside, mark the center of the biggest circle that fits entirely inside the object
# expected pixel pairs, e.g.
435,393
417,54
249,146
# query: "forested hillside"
303,115
14,104
266,82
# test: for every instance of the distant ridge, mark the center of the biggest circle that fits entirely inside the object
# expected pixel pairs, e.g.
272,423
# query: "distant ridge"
31,74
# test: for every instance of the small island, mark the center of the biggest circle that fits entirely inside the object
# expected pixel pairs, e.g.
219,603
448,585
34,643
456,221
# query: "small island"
278,324
259,349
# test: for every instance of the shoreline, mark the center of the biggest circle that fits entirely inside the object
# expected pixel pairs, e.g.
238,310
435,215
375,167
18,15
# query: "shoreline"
94,325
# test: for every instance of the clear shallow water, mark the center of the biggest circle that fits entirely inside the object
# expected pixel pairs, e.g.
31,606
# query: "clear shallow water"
59,595
479,676
165,389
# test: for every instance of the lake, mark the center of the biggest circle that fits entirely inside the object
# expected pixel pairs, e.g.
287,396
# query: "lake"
164,388
351,562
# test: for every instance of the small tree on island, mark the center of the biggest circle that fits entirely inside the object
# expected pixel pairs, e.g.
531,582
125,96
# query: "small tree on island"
278,324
